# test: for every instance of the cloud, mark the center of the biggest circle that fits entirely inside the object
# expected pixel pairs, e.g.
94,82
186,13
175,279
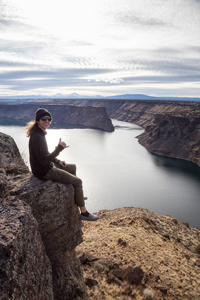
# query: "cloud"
107,80
160,79
25,80
12,64
175,67
104,43
60,73
14,24
131,18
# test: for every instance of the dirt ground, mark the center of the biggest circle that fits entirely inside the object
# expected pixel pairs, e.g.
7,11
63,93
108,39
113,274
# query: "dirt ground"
132,253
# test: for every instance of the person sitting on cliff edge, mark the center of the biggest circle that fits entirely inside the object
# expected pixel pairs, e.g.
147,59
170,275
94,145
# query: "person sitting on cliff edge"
46,166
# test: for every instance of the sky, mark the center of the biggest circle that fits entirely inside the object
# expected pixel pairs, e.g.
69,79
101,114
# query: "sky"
100,47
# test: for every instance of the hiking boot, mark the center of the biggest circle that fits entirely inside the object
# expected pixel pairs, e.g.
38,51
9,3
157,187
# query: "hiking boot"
90,217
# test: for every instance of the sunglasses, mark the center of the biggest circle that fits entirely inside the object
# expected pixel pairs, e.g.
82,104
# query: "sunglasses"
46,119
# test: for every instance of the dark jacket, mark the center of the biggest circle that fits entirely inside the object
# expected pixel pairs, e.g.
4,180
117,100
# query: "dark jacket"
41,160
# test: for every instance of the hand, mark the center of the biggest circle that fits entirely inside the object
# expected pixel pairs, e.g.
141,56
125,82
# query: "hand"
63,144
62,163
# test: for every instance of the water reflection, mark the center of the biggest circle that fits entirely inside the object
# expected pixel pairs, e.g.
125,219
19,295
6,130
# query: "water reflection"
177,165
12,122
134,127
63,125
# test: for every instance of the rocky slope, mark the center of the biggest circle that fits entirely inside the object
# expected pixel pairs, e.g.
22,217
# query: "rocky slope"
39,229
88,116
132,253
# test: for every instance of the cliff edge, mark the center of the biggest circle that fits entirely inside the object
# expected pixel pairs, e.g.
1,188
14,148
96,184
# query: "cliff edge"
88,116
173,135
40,227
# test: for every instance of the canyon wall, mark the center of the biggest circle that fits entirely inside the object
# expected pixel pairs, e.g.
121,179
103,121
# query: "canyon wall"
88,116
171,128
174,136
140,112
39,230
146,113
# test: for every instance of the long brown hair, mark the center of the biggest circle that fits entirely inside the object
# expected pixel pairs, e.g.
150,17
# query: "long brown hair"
31,127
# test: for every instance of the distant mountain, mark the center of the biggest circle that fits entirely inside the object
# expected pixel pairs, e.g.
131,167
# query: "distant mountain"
74,96
22,99
133,97
56,96
146,97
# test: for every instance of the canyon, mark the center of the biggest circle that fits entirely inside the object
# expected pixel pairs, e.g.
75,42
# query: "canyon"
47,253
172,128
160,119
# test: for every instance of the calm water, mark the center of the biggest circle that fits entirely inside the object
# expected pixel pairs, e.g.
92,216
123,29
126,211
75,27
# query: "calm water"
117,171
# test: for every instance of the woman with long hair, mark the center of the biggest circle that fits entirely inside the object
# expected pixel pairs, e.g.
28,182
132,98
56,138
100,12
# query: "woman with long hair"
46,166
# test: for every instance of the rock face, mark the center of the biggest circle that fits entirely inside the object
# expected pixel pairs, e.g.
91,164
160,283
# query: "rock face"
23,258
173,136
40,227
10,158
89,116
53,207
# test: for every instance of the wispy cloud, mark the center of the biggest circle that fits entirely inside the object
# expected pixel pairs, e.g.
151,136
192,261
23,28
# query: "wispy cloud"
102,46
132,18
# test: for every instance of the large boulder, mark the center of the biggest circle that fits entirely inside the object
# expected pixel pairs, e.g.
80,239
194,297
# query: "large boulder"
54,208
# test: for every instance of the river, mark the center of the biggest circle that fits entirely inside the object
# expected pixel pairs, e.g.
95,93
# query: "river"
117,171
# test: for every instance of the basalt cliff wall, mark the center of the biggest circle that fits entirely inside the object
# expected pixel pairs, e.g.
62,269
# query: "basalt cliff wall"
171,127
88,116
146,113
39,228
140,112
174,136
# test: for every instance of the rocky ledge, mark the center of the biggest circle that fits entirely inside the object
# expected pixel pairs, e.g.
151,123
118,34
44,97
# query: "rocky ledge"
39,229
88,116
132,253
173,135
